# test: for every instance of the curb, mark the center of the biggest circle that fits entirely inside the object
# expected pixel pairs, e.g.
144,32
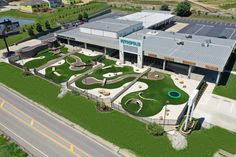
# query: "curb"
106,144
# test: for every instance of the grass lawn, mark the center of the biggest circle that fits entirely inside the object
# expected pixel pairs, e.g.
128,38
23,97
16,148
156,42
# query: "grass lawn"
9,149
157,90
114,126
39,62
227,90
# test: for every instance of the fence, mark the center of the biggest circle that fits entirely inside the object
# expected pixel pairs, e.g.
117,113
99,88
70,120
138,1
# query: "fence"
119,108
55,60
128,86
88,95
82,75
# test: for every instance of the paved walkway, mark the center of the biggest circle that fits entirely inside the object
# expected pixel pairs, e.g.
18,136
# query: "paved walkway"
217,110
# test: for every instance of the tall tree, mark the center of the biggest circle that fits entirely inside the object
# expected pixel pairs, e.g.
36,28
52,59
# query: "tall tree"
80,17
85,15
47,25
30,31
39,27
183,8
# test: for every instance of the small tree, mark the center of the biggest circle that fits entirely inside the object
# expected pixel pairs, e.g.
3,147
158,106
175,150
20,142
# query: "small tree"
39,27
47,25
154,129
30,31
80,17
183,8
85,15
164,7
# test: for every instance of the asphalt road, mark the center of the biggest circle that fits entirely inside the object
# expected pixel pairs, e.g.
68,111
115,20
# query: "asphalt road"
42,134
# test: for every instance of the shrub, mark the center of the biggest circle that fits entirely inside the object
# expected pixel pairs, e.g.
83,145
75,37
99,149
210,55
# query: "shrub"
164,7
30,31
39,27
154,129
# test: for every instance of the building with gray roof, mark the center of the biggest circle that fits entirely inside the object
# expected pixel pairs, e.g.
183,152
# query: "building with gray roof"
190,50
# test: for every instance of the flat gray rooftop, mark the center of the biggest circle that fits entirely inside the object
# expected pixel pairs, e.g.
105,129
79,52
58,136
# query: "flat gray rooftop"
76,35
149,17
109,24
164,45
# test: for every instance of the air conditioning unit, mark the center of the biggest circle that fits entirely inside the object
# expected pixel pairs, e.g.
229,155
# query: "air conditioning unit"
189,36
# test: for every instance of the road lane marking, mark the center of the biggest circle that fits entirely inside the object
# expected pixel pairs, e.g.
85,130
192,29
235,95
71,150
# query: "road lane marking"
41,132
41,109
23,140
32,122
3,102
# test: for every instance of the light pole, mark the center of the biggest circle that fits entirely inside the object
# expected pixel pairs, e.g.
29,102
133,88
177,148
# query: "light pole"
167,102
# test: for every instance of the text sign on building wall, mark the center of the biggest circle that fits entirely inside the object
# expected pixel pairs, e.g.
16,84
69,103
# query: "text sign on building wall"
130,42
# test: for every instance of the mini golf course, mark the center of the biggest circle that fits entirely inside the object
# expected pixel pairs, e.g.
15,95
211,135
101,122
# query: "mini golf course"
115,76
154,98
74,64
39,62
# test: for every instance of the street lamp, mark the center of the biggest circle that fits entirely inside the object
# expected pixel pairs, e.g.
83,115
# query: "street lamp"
167,102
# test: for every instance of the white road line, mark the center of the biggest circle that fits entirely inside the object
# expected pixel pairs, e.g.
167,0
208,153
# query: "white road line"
232,34
23,140
60,121
199,29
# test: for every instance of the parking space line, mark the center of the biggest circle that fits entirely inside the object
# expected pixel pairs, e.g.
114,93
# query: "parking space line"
31,125
199,29
232,34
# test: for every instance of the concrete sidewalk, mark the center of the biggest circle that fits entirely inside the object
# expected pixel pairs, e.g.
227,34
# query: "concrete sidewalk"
217,110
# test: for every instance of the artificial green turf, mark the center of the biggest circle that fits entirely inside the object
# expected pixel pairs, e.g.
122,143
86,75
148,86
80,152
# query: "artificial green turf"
98,74
108,62
39,62
64,70
157,90
114,126
80,84
227,90
70,59
9,149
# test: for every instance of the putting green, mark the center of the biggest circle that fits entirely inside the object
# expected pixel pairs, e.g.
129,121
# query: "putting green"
155,97
39,62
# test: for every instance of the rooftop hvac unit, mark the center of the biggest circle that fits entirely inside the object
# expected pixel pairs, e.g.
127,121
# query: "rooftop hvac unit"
205,44
189,36
179,42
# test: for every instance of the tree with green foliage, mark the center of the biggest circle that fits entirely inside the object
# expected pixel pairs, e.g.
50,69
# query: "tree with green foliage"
30,31
164,7
183,8
39,27
47,25
85,15
154,129
80,17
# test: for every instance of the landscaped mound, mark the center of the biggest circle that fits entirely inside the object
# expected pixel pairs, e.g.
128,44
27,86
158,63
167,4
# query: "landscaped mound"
155,97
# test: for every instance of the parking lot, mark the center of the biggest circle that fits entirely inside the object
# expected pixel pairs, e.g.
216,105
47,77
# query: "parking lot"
208,28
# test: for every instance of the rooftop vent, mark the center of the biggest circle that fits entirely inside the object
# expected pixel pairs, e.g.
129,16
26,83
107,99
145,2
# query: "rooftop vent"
205,44
180,42
189,36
